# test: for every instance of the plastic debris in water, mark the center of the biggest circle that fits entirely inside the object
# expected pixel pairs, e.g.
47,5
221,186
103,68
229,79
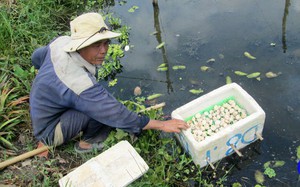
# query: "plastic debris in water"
126,48
211,60
273,44
248,55
137,91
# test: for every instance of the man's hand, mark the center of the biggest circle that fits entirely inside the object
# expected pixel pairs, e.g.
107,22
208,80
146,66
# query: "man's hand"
173,125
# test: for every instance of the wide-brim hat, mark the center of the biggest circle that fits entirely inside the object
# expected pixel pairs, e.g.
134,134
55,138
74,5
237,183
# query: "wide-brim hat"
87,29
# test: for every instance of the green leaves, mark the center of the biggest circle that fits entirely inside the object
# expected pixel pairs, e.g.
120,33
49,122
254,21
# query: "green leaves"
228,80
259,177
160,45
270,172
250,76
205,68
248,55
162,67
154,96
240,73
113,82
133,8
253,75
298,152
274,164
178,67
120,134
196,91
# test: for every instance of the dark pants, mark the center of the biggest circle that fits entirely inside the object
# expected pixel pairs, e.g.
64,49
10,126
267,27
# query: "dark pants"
72,122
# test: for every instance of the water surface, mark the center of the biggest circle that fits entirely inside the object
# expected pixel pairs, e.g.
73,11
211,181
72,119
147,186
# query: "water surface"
195,31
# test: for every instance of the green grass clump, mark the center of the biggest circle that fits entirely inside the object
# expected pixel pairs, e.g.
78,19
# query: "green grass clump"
26,25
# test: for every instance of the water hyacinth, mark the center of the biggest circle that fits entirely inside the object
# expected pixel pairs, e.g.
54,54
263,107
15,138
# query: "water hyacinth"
216,119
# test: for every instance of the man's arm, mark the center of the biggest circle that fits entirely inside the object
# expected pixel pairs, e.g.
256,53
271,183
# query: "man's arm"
173,125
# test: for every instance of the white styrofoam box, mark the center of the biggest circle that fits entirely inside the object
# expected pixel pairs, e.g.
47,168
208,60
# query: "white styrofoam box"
240,134
118,166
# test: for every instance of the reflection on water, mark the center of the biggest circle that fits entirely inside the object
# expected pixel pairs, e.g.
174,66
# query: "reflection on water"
163,49
197,30
286,12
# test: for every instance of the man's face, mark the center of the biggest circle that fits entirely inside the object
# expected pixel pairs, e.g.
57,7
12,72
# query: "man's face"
95,53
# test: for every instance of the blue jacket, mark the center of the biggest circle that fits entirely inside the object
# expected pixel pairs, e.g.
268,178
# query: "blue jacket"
66,80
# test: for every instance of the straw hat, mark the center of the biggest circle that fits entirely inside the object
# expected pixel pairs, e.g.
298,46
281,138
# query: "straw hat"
87,29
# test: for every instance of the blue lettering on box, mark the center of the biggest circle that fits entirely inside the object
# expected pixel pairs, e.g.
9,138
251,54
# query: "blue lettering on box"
254,137
241,138
230,150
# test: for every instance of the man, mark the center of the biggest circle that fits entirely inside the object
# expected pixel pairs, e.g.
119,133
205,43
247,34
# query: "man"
66,98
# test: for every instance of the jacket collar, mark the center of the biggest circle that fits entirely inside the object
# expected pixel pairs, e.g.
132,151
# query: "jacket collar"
83,63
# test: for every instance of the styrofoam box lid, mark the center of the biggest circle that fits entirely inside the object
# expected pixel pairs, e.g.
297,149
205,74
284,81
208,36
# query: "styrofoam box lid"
118,166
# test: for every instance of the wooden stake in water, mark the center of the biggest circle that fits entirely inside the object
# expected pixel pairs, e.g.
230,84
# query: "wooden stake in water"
211,165
235,150
259,136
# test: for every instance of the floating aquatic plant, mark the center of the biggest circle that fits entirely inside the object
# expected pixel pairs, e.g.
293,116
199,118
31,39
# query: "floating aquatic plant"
162,69
253,75
205,68
133,8
178,67
274,164
113,82
270,172
228,80
154,96
259,177
298,152
160,45
211,60
240,73
248,55
196,91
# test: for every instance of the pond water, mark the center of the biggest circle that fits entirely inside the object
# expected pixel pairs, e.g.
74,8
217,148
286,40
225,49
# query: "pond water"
195,31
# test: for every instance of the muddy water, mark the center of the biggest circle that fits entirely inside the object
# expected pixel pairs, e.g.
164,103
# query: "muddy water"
195,31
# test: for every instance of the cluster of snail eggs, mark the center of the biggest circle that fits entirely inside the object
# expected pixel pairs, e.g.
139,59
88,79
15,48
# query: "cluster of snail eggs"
216,119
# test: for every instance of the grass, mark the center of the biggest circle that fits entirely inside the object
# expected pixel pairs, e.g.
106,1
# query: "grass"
26,25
